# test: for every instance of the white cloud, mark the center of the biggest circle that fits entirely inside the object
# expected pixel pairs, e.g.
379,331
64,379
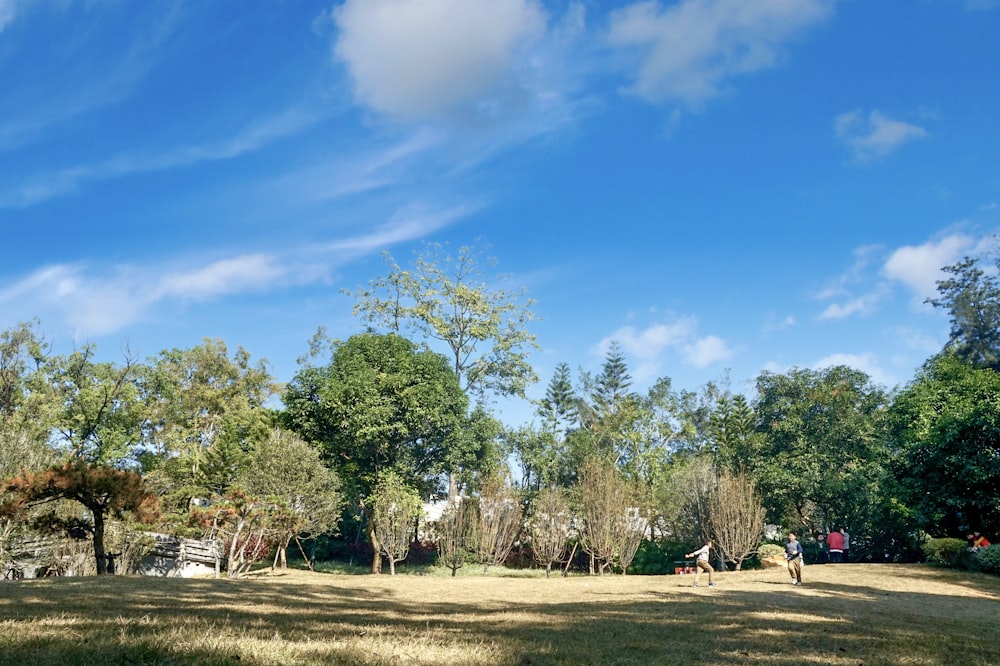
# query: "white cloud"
876,135
412,59
650,343
860,305
866,363
706,351
8,10
646,347
690,49
227,276
918,267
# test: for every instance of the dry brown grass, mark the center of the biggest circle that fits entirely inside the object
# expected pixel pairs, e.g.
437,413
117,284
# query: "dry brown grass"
844,614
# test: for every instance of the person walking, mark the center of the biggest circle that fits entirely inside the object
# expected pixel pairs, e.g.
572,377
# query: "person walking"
793,554
702,563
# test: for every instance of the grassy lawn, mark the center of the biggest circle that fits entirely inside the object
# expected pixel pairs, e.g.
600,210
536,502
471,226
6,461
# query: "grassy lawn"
843,614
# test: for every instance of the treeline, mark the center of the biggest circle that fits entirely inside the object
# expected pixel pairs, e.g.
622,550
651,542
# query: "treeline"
191,441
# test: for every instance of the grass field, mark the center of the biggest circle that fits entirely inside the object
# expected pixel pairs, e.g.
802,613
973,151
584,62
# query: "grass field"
843,614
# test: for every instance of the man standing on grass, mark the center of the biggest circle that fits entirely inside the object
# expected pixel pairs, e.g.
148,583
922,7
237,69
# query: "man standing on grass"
793,553
702,563
835,543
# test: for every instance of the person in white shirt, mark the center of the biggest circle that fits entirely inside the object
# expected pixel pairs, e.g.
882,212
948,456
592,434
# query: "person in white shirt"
702,563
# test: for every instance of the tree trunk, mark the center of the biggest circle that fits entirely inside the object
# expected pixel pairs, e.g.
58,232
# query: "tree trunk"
302,550
99,554
377,554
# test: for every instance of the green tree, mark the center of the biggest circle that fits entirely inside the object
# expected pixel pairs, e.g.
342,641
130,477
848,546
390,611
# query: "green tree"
972,299
205,410
396,508
821,453
104,491
27,400
559,409
381,404
290,475
945,428
101,415
452,300
610,415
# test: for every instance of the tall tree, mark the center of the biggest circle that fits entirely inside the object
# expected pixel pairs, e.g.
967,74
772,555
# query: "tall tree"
559,409
101,415
27,401
611,414
381,404
945,428
451,300
205,411
822,451
972,299
733,428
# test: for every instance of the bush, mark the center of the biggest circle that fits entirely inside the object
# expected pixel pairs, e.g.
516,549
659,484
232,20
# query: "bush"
946,552
988,559
770,550
654,558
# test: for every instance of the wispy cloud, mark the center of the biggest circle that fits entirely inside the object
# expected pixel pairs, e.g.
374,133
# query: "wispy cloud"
855,290
97,301
8,10
863,304
412,222
691,50
874,135
41,105
981,5
364,171
68,181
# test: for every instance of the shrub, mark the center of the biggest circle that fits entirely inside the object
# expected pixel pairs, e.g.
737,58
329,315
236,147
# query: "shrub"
654,558
770,550
988,559
947,552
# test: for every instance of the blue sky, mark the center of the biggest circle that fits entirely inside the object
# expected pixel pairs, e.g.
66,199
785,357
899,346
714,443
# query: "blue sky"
717,184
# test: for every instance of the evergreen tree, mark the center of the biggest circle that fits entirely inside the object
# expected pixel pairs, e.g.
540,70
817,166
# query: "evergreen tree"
972,298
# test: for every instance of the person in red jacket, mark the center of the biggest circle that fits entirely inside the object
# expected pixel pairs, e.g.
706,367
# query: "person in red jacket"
979,541
835,544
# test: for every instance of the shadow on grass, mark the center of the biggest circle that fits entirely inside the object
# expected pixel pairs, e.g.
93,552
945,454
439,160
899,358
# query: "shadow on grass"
656,620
